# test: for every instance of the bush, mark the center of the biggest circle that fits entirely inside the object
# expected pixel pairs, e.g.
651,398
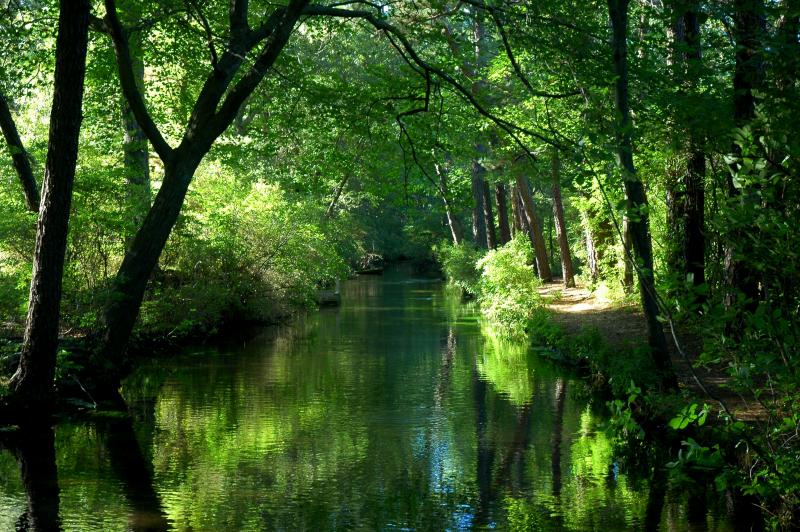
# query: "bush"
460,266
240,255
508,286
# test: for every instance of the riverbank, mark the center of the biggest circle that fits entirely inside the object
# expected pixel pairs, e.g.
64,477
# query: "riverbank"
78,383
580,313
722,436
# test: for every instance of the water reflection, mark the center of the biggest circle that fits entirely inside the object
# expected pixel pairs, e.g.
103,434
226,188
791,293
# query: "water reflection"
399,410
35,452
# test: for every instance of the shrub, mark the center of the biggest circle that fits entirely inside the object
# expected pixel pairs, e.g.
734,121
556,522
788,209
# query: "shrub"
508,286
460,265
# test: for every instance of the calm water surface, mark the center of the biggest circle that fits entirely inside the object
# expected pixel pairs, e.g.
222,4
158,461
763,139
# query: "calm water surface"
397,411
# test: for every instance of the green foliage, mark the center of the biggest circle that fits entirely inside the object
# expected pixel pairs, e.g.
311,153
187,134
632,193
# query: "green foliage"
508,286
240,254
502,279
460,266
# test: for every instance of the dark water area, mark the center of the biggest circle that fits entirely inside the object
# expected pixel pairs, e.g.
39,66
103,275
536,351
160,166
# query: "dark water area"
397,411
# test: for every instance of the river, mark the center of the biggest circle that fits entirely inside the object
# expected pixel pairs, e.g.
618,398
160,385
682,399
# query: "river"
398,410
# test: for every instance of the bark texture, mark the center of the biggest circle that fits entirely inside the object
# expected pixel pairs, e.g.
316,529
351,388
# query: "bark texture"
33,381
478,212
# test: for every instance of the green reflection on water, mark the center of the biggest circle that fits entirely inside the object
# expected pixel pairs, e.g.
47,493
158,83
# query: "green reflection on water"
396,410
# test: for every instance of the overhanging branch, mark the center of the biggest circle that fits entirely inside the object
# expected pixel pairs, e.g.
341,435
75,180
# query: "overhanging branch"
511,129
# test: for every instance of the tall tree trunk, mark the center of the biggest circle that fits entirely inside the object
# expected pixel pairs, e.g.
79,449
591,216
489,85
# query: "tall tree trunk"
478,216
694,247
747,78
491,238
134,145
674,191
567,272
627,248
19,156
502,212
516,218
539,247
592,259
33,381
456,231
635,194
686,207
525,226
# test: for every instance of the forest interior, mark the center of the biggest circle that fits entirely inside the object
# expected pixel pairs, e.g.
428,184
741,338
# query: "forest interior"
613,187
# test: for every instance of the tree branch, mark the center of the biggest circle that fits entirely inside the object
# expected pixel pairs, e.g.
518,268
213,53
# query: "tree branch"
20,157
212,50
129,86
283,22
510,128
517,69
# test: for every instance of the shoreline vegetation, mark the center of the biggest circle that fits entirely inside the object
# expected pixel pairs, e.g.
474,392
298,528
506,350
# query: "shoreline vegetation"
710,428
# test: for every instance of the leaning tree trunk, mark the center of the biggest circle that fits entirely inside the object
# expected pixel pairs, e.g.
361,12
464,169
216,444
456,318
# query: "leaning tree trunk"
218,103
636,198
140,260
33,382
539,247
567,271
491,238
19,156
502,212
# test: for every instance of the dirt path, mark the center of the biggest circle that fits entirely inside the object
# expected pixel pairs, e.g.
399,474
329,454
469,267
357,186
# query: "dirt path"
623,326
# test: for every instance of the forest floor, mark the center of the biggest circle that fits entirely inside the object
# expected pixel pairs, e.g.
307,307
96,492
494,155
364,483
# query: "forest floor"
622,325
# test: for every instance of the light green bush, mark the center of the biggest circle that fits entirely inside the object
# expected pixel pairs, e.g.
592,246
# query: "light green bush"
460,265
508,287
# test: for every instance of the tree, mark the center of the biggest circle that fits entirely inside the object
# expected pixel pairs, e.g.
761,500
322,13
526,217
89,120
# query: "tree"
214,110
32,384
537,239
567,272
636,200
